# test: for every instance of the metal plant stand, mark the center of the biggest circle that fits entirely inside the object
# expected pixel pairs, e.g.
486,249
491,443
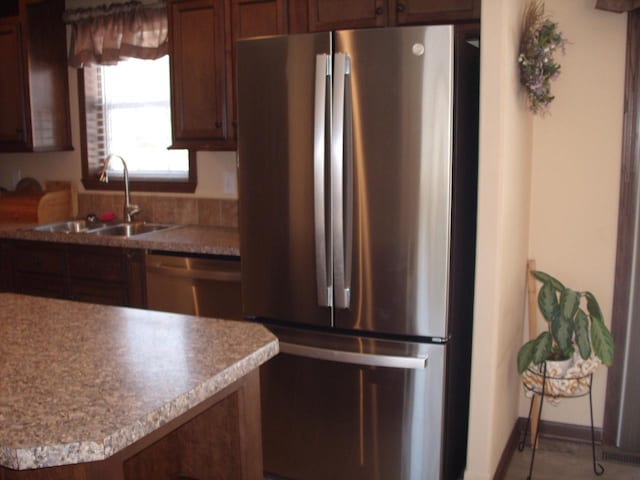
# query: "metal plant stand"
542,390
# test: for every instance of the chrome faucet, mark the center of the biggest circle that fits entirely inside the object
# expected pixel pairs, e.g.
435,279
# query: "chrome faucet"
129,210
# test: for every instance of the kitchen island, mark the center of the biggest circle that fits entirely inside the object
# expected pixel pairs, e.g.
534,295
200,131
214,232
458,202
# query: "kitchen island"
96,392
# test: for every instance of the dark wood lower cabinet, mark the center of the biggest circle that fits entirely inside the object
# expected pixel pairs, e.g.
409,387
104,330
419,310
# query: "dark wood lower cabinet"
87,273
106,275
5,267
181,454
220,439
39,268
136,278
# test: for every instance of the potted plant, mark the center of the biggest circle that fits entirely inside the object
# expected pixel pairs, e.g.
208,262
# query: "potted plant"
575,323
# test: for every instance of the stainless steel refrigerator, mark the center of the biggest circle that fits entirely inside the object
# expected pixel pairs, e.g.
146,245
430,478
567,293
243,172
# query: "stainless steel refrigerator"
357,161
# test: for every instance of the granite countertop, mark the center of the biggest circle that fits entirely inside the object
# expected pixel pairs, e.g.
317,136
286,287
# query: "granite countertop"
178,238
79,382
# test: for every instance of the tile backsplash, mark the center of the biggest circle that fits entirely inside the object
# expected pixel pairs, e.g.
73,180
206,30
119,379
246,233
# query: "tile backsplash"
193,211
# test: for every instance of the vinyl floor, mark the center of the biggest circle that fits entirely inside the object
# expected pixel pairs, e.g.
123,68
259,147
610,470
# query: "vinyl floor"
556,459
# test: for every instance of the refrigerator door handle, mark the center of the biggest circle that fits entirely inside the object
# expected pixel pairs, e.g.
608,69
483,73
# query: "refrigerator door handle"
356,358
341,69
323,270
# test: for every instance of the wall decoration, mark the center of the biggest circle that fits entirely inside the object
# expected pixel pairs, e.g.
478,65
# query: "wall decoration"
539,41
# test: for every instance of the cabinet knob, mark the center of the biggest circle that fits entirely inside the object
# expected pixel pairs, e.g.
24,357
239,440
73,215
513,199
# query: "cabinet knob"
218,124
400,7
379,10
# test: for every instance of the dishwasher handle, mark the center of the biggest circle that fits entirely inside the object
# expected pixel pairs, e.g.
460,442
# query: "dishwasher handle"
198,274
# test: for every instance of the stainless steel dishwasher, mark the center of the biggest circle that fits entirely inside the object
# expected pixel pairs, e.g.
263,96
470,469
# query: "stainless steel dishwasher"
203,285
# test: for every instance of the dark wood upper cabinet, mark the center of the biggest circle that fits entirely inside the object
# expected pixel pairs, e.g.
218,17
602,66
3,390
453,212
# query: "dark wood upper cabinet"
327,15
34,91
253,18
407,12
13,127
9,8
202,43
199,91
12,95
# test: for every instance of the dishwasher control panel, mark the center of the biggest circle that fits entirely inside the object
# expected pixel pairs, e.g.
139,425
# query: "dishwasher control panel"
202,285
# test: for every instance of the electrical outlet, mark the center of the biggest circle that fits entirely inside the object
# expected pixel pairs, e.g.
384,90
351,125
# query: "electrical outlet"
230,183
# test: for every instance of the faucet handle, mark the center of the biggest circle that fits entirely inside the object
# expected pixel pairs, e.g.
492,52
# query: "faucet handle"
131,211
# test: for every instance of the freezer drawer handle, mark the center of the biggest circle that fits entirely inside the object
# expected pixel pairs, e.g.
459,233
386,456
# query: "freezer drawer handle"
357,358
323,270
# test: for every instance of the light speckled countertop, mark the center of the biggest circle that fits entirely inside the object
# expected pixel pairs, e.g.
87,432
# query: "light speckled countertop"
180,238
79,382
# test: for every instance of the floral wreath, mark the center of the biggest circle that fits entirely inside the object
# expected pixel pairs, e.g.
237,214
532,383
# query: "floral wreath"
539,40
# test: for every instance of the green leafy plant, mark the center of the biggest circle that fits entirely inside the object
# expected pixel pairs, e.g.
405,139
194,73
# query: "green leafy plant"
570,326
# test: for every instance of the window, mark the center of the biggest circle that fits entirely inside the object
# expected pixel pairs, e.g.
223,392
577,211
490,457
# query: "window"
125,110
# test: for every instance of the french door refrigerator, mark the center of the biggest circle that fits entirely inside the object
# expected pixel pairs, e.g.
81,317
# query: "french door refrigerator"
357,166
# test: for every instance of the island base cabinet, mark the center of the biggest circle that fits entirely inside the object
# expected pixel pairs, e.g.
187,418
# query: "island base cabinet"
220,439
191,451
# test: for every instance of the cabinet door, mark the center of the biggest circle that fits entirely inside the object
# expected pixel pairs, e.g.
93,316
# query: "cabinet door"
198,74
5,267
253,18
107,275
9,8
12,96
407,12
327,15
136,281
34,88
40,268
104,264
48,77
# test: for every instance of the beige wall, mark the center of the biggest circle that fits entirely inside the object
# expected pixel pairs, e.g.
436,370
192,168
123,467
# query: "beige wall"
503,219
566,214
576,169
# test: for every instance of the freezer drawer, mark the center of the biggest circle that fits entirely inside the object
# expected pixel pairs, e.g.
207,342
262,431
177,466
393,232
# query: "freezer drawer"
328,419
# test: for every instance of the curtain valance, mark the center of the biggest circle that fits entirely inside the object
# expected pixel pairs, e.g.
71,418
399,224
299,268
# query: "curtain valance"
106,34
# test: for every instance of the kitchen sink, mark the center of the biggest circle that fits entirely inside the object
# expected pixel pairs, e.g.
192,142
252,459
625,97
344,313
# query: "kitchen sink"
93,228
129,229
70,226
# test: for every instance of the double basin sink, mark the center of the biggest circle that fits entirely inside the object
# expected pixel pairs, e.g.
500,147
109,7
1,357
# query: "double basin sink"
97,228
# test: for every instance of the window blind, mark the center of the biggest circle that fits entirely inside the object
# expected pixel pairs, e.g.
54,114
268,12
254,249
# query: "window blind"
96,133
